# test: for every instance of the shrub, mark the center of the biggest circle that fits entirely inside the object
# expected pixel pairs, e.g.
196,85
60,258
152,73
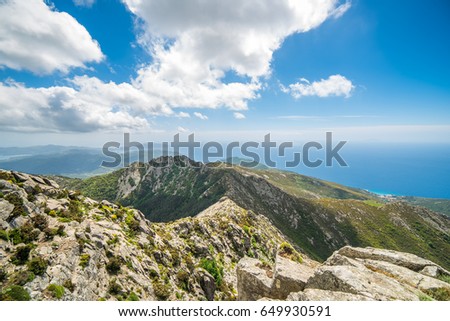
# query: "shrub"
25,234
15,293
440,294
50,233
69,285
84,260
73,213
56,291
21,278
4,235
114,264
445,278
161,290
3,275
114,288
132,297
213,268
287,251
17,201
183,279
40,222
176,260
37,265
31,197
21,255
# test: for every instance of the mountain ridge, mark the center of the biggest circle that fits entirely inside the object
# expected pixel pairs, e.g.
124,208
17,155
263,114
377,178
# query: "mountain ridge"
317,216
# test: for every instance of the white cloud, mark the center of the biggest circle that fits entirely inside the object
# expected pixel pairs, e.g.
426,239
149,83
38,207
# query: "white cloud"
39,39
192,48
88,108
339,11
182,114
200,116
238,115
182,129
196,44
84,3
335,85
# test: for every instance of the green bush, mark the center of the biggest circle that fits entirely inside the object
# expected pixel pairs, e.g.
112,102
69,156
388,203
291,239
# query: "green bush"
24,234
56,291
183,279
287,251
161,290
40,222
69,285
445,278
3,275
21,278
114,264
50,233
21,254
132,297
37,265
214,268
440,294
17,201
15,293
114,288
84,260
4,235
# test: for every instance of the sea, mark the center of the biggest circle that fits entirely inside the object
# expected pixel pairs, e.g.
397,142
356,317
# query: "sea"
396,169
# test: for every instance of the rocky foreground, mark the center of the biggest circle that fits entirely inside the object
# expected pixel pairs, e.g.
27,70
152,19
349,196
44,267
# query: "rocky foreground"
350,274
57,244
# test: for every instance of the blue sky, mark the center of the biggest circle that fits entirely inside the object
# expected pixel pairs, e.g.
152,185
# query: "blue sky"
367,70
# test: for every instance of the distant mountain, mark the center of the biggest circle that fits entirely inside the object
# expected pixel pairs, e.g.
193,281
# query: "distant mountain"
59,160
317,216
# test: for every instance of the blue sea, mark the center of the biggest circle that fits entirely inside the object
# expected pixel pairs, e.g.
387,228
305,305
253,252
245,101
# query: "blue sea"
397,169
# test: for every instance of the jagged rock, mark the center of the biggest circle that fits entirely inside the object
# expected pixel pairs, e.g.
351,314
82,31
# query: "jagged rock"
406,276
364,282
433,271
252,280
325,295
407,260
207,283
6,209
289,277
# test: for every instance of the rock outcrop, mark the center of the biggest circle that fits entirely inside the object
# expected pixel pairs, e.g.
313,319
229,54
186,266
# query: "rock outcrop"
349,274
57,244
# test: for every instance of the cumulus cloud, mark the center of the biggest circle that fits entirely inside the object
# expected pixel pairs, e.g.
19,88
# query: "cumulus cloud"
182,114
87,108
335,85
35,37
84,3
200,116
194,46
238,115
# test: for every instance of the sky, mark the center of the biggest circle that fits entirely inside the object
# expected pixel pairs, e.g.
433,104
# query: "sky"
83,72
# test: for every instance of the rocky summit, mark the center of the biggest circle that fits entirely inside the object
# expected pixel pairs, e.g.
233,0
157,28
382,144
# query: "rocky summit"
59,244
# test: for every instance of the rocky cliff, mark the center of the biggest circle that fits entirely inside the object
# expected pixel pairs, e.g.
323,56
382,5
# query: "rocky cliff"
350,274
58,244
